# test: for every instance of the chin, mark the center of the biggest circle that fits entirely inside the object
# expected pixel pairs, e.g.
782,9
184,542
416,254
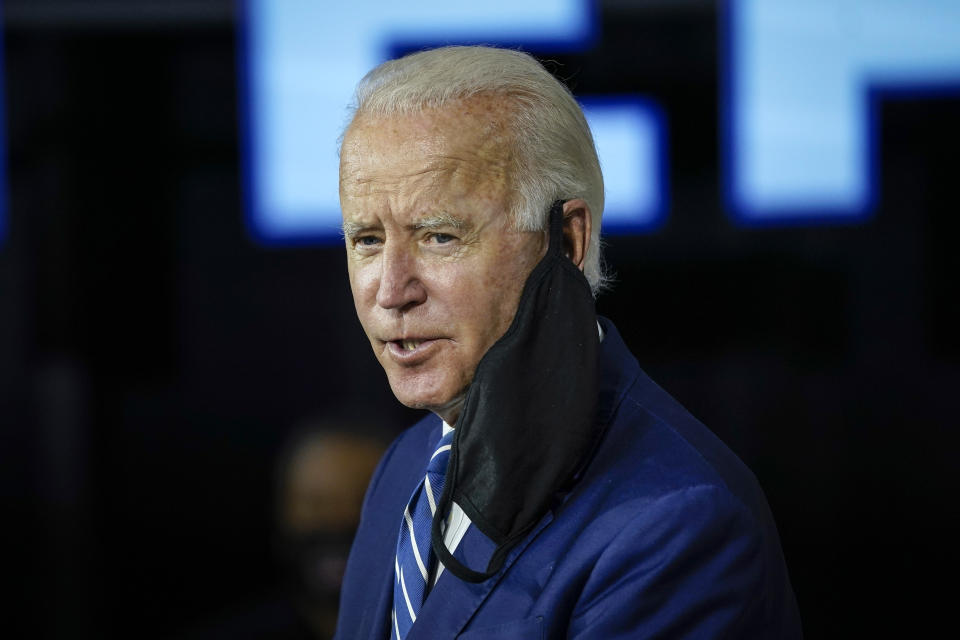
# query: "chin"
443,401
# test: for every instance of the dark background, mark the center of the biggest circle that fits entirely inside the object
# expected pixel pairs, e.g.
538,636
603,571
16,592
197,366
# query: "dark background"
152,358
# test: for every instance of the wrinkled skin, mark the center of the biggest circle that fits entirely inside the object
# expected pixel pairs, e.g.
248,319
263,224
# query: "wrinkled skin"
436,265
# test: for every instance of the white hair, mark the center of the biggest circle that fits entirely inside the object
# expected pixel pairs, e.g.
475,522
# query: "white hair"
556,157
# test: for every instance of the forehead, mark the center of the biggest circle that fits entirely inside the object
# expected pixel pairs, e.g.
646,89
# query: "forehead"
462,144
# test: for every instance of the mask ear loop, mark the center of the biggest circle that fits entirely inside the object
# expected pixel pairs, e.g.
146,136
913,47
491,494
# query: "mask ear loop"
454,566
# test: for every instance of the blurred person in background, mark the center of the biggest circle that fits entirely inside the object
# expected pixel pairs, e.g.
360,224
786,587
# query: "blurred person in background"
321,482
556,491
321,473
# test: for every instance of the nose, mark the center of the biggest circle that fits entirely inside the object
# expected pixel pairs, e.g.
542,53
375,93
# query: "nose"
400,285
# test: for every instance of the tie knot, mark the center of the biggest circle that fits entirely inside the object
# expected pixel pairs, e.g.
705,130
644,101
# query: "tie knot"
438,462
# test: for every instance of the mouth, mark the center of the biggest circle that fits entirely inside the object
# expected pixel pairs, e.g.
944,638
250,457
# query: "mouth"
409,345
411,351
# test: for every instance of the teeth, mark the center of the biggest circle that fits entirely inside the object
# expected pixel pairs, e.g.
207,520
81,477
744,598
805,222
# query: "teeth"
410,345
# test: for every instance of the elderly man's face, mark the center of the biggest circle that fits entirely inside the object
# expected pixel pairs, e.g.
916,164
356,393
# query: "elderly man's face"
436,266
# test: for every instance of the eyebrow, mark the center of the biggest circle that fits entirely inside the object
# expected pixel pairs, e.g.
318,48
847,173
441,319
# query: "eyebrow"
349,228
439,221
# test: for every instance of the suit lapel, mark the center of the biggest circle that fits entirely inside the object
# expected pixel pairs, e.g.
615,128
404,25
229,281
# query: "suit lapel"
379,622
452,602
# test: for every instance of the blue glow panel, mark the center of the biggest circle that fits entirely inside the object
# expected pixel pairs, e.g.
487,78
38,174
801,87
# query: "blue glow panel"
3,146
302,59
801,77
630,140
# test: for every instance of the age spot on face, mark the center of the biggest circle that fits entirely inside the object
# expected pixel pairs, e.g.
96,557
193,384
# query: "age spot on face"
435,261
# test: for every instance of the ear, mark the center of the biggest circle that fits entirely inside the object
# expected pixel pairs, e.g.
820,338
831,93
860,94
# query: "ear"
577,223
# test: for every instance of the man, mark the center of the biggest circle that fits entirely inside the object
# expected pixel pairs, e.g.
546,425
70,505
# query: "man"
579,500
322,472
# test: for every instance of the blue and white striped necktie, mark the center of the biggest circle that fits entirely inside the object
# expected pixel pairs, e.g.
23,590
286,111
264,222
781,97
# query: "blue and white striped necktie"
412,565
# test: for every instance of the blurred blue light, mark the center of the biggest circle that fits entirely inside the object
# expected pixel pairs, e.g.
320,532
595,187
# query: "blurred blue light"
301,60
630,137
3,145
801,82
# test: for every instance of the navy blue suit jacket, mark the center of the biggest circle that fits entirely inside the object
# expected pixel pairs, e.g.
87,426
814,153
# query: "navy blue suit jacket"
665,535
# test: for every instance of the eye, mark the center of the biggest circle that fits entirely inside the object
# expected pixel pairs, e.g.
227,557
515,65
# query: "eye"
366,241
442,238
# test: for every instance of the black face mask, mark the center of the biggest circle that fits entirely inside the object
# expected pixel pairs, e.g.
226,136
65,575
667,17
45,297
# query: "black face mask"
528,423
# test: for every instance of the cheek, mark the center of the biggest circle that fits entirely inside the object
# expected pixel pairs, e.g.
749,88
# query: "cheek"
508,281
511,267
362,283
497,293
364,297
